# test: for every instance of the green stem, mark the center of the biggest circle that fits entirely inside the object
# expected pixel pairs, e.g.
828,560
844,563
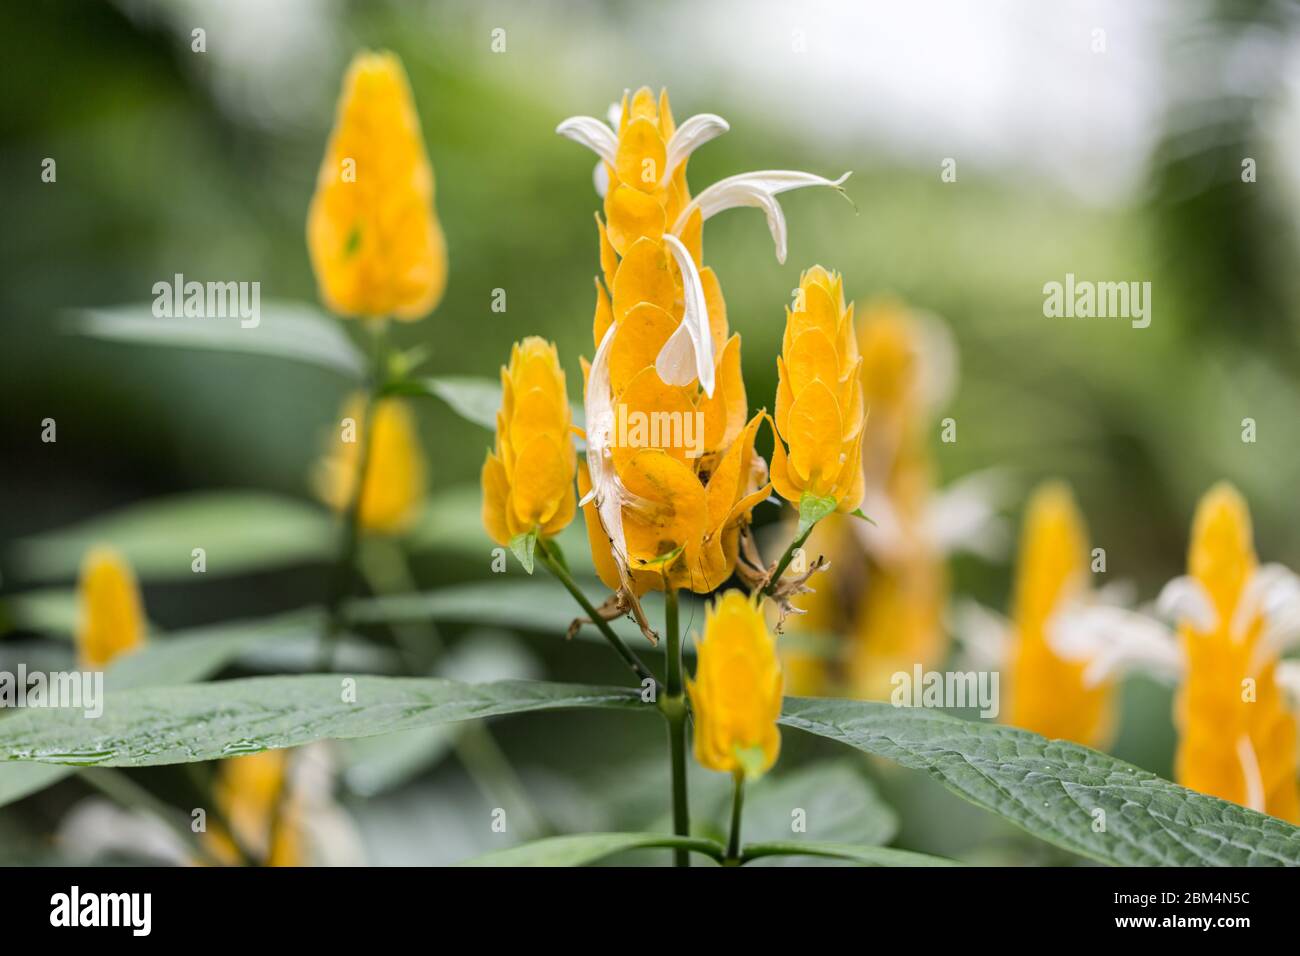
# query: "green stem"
737,806
341,575
786,558
673,705
629,657
121,789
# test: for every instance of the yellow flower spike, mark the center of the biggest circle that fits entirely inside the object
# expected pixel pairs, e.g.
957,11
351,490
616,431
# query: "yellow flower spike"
251,794
111,618
528,478
736,692
1237,740
375,242
661,312
819,413
396,482
1049,694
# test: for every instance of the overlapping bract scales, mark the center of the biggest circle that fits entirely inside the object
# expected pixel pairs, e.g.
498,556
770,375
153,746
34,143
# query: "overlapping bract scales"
1049,694
1237,740
683,504
375,241
819,410
528,478
736,693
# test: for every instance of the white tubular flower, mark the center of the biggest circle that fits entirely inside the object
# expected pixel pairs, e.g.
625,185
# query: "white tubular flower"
984,633
592,133
757,189
1114,641
690,136
688,353
610,495
1183,600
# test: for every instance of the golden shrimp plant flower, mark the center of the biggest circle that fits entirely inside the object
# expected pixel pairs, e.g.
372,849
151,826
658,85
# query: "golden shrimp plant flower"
819,411
395,483
887,586
376,245
252,794
667,518
528,478
110,619
1050,694
736,692
1234,618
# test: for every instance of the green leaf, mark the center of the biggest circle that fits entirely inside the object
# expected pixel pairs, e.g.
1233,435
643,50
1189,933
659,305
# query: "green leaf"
287,330
583,848
523,546
867,855
859,513
239,531
182,657
812,509
144,727
839,805
1053,789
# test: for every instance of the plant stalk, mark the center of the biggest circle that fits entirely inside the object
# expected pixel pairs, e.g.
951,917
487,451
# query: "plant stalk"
786,558
341,575
629,657
737,807
673,705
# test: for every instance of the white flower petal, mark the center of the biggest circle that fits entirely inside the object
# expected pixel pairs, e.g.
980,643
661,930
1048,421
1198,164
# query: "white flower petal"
600,178
592,133
1113,641
607,489
615,115
757,189
1287,676
985,634
1183,600
963,516
688,353
690,136
1273,592
1250,771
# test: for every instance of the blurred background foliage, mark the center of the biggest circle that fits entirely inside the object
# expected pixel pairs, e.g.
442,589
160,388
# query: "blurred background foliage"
171,161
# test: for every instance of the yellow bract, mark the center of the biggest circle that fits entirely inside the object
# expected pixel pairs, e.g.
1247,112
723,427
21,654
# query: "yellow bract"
1237,740
1048,693
687,456
375,242
528,479
736,693
395,485
819,410
252,795
896,618
111,619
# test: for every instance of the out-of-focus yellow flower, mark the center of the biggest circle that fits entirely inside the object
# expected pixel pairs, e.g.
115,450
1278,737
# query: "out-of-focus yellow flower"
819,411
252,794
375,242
111,618
887,586
1237,740
663,517
1049,693
395,484
736,693
528,479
